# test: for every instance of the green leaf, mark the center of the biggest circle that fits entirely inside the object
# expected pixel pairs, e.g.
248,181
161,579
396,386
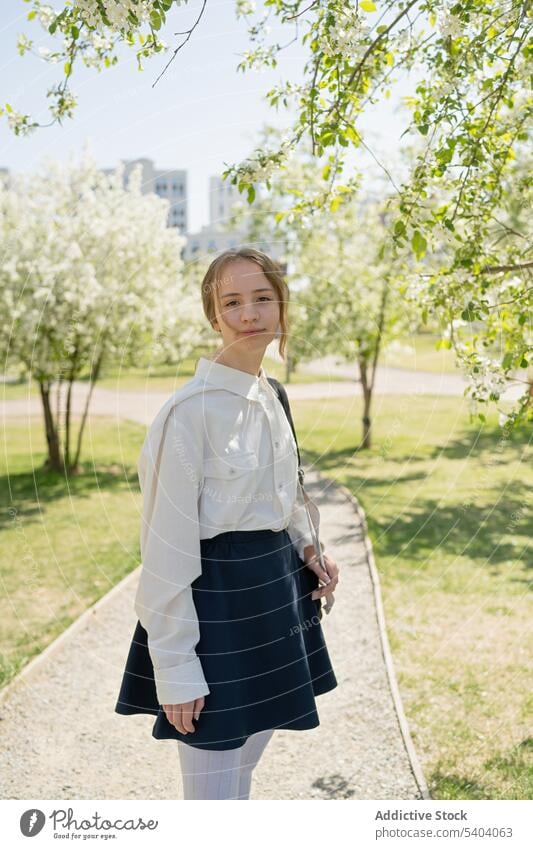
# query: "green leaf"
251,194
419,244
353,135
155,19
469,314
367,6
399,228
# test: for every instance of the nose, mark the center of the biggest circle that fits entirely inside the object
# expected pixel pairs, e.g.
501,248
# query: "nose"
249,312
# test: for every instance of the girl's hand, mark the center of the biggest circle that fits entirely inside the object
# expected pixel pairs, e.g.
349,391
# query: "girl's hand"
181,716
329,579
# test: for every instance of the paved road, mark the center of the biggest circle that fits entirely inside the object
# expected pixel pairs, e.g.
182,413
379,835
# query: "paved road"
142,406
396,381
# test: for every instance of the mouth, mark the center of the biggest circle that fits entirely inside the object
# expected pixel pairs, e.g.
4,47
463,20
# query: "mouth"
252,332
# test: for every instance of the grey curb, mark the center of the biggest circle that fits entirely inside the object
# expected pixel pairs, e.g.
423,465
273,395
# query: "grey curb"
385,646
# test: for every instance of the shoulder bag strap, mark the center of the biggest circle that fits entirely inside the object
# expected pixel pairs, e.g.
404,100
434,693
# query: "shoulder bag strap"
310,506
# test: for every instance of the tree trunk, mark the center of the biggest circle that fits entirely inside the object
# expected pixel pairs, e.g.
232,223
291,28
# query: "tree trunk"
366,441
94,377
54,460
368,381
68,421
290,365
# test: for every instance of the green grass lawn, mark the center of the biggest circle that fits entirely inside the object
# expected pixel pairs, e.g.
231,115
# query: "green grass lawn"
64,544
449,518
170,378
446,503
158,379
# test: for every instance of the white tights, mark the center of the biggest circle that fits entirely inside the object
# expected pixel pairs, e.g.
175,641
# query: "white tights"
227,774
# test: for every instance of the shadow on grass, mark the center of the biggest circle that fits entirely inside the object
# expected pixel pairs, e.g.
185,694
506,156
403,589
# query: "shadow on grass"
489,525
488,439
511,771
443,786
493,533
29,493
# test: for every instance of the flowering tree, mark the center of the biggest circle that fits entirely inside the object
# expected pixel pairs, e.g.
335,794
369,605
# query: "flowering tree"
89,274
469,114
349,289
469,117
355,304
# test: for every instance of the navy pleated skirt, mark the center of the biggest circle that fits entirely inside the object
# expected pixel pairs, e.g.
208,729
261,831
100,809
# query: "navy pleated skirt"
261,645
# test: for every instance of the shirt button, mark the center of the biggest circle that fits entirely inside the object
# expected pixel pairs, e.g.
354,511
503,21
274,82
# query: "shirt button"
232,471
276,444
280,486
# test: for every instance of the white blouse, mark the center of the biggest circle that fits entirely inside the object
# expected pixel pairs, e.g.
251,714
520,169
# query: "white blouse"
219,456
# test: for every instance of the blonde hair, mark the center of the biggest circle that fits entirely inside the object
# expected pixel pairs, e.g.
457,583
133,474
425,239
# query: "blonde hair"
272,271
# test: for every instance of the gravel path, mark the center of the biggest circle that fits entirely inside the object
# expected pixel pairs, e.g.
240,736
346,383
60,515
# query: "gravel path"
60,737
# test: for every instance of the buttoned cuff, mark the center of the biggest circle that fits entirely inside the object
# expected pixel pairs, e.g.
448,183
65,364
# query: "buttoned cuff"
179,684
299,531
301,545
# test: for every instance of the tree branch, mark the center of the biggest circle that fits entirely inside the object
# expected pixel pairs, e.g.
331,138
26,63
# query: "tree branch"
188,34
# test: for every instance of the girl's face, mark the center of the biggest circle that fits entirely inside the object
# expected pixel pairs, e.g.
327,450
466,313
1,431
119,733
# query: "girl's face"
245,301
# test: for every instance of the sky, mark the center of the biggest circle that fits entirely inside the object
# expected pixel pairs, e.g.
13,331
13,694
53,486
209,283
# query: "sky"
200,116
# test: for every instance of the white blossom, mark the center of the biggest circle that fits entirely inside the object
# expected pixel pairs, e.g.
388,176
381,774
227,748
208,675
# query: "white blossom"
449,24
244,8
346,36
85,256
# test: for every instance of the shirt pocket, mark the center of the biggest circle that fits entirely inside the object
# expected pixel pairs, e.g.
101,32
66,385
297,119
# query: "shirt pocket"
230,466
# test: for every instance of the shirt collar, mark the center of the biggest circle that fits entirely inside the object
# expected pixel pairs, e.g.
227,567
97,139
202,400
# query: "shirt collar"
226,377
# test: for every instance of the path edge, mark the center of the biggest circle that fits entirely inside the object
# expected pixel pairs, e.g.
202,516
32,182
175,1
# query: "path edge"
78,624
412,756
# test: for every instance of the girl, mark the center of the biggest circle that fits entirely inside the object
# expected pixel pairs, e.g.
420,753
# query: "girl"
229,645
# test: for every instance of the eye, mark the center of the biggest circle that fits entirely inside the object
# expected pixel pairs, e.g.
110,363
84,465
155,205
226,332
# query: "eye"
265,297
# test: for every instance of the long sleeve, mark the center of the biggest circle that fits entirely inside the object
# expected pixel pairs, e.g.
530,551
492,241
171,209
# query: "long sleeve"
298,528
170,473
